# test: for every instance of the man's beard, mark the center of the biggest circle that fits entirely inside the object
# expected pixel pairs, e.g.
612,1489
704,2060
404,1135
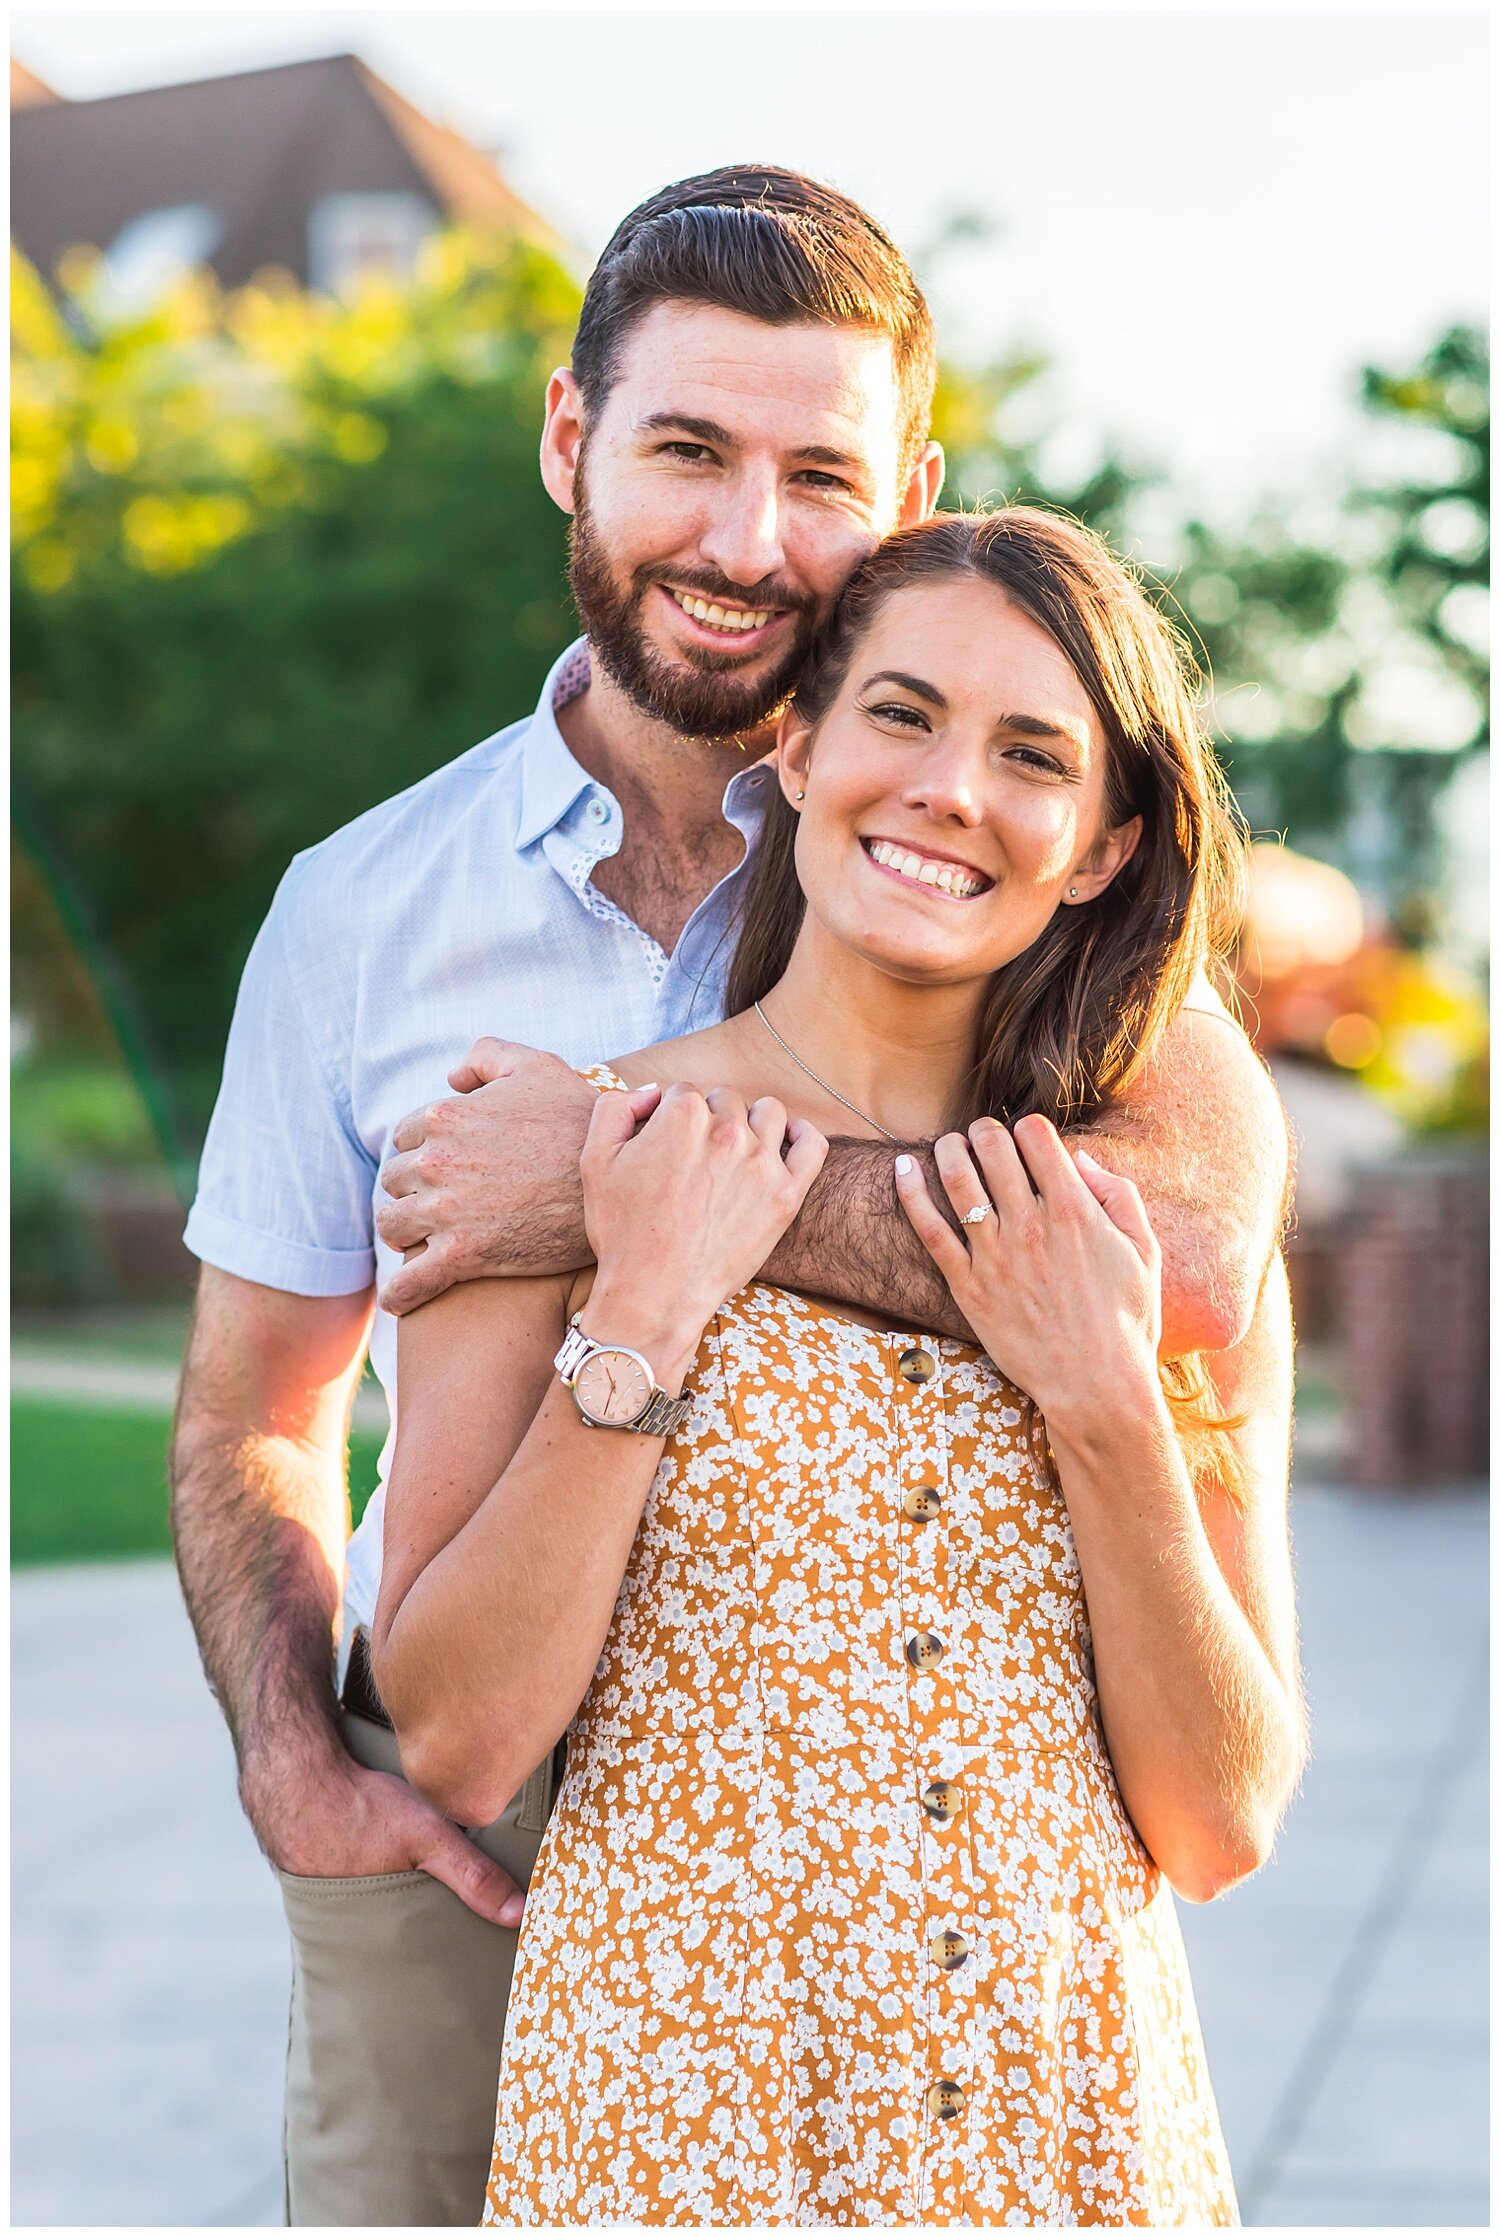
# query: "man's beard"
703,695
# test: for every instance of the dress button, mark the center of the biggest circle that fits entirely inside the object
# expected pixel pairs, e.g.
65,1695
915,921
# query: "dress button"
946,2100
918,1364
922,1502
948,1947
923,1649
941,1800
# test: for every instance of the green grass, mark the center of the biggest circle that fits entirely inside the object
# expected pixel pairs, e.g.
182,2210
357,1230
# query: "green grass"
89,1483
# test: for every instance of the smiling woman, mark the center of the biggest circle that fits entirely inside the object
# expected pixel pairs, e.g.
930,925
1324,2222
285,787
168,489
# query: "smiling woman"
916,1672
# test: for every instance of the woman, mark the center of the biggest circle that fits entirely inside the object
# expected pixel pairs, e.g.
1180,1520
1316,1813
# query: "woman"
854,1906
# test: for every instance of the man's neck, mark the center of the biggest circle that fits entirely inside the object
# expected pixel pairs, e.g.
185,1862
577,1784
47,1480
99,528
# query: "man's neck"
675,844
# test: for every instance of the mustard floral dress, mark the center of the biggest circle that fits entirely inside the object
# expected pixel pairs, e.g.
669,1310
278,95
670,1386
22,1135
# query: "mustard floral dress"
839,1918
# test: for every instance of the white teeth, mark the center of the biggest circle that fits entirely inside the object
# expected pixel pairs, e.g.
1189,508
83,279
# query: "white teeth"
734,620
945,875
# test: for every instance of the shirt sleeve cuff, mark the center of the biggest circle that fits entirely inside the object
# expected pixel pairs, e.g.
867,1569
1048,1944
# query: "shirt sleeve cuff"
300,1268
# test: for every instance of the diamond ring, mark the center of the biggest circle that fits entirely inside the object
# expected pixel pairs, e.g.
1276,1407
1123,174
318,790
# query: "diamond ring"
973,1219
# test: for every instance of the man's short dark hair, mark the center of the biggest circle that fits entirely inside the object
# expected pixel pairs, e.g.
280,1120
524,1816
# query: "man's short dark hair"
772,245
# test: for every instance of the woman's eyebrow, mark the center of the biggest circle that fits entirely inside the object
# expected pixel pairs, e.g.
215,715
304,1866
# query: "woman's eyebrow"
908,683
1034,726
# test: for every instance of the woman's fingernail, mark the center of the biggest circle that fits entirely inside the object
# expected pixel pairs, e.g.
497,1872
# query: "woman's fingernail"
1084,1159
903,1163
645,1087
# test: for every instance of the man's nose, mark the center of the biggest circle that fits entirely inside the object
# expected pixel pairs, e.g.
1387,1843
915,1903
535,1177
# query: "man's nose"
743,540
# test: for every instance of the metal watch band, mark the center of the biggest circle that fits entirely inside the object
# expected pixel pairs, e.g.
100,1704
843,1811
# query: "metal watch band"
662,1415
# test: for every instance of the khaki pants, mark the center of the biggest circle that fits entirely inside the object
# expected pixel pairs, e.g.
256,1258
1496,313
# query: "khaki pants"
399,1994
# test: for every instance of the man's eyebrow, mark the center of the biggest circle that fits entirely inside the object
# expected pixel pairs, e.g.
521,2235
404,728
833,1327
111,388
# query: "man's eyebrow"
819,454
908,683
701,430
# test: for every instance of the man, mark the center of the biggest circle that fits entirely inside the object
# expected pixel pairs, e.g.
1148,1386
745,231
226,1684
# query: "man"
744,419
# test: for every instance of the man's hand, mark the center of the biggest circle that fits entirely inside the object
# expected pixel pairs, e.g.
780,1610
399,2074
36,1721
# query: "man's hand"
350,1823
486,1182
259,1520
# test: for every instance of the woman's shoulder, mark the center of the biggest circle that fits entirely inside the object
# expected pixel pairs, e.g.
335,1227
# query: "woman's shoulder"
705,1059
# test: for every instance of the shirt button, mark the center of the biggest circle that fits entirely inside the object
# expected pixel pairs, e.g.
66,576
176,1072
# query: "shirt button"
917,1365
941,1800
945,2099
598,810
924,1649
922,1502
948,1947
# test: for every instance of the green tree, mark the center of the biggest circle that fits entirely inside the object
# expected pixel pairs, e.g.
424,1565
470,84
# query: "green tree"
277,558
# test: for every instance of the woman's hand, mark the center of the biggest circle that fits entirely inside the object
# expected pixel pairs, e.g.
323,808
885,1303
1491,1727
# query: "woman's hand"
1061,1282
683,1212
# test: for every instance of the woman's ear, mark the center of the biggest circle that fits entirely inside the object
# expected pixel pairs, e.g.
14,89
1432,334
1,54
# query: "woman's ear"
793,750
1108,859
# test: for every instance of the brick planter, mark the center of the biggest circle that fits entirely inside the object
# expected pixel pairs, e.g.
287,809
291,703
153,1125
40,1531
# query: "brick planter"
1413,1306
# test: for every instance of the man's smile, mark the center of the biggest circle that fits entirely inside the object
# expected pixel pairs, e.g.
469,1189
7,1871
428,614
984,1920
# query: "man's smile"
712,621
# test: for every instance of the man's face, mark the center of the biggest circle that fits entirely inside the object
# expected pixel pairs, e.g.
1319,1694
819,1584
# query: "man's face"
734,477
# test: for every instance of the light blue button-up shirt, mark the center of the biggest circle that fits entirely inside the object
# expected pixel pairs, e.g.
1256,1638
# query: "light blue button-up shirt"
463,906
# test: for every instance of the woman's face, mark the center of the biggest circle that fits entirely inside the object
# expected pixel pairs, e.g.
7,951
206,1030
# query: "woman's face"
954,793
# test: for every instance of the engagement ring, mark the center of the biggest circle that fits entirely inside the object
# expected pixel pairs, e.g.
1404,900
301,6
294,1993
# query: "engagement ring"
972,1219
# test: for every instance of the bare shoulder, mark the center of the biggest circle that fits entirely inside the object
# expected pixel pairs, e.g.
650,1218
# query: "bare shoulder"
713,1058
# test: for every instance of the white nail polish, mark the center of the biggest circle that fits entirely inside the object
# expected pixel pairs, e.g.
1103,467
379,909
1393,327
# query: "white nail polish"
645,1087
903,1163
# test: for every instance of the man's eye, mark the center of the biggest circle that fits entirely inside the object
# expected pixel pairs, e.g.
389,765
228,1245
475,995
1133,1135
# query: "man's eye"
815,480
690,453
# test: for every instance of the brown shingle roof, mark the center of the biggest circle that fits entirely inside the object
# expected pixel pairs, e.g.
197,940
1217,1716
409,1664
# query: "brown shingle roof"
260,147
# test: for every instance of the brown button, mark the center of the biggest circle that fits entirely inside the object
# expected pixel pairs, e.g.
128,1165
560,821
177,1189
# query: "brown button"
918,1364
946,2100
948,1947
922,1502
923,1649
941,1800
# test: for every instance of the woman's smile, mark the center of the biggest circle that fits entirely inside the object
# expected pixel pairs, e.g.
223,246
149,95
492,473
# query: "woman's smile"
942,875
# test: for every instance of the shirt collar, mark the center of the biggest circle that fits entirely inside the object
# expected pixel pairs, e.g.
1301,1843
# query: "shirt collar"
551,779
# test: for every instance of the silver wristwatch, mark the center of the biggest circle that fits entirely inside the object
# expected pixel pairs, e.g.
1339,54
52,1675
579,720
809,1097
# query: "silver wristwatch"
614,1387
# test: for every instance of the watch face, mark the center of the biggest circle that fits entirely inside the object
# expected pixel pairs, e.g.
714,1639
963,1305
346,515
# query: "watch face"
612,1387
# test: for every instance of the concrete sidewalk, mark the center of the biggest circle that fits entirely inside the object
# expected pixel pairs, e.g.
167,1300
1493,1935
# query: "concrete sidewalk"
1343,1991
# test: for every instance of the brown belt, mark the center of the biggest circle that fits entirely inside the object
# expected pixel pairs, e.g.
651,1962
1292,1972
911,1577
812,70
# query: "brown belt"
359,1696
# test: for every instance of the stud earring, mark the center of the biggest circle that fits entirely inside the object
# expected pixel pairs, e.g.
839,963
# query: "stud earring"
1072,893
801,795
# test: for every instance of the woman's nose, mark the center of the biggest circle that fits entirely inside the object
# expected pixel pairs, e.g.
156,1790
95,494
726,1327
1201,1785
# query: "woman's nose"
947,785
743,539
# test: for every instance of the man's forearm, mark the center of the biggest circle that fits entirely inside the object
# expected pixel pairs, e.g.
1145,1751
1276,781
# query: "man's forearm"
255,1521
853,1242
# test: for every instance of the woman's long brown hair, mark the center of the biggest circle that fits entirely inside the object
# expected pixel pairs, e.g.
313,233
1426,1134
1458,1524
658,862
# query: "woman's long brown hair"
1067,1024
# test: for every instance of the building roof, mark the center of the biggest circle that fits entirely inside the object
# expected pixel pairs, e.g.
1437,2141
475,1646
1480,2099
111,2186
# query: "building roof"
260,148
26,89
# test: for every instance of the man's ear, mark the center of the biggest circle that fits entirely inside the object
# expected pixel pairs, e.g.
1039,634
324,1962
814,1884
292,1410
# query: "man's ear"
793,750
562,438
924,488
1108,859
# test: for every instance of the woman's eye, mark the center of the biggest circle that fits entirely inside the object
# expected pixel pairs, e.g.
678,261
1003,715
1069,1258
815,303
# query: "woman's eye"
904,717
1035,758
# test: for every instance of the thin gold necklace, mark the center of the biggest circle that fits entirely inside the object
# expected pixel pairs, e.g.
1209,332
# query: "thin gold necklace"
822,1083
